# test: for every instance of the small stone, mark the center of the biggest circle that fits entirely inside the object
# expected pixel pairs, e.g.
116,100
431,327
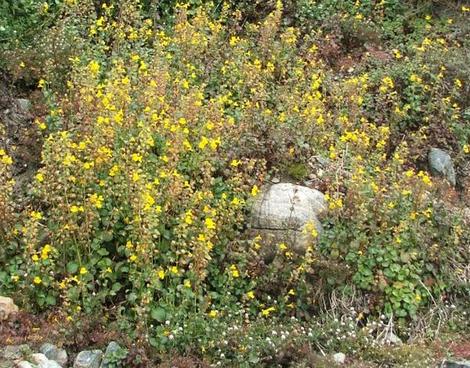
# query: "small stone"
441,164
88,359
39,358
339,358
456,364
52,352
392,339
275,180
12,352
7,308
112,348
24,364
50,364
42,362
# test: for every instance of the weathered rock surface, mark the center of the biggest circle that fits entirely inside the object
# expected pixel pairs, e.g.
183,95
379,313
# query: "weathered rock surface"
287,206
7,308
288,213
24,364
52,352
88,359
441,164
456,364
13,352
41,361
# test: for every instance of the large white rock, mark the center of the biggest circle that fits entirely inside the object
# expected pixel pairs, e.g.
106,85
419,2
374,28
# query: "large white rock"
288,213
287,206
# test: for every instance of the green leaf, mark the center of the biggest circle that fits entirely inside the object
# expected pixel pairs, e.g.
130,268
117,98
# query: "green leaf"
153,342
72,267
103,252
51,300
158,313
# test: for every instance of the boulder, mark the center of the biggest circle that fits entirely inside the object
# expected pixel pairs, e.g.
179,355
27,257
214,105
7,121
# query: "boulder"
39,359
288,213
441,164
88,359
7,308
24,364
52,352
13,352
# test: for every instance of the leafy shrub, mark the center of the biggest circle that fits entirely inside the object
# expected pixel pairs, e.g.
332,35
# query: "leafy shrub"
157,138
390,234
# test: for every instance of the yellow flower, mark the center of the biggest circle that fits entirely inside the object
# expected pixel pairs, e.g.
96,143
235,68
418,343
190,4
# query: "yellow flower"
466,148
83,271
161,274
133,258
397,54
76,209
15,278
266,312
35,215
235,163
41,125
210,224
37,280
234,40
234,271
187,283
254,190
40,177
7,160
236,201
96,200
135,176
426,180
250,295
203,142
94,67
44,7
35,257
114,170
136,157
174,270
213,313
45,251
188,217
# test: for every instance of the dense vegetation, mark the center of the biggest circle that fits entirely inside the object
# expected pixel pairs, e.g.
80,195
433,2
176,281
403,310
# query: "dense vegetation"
160,122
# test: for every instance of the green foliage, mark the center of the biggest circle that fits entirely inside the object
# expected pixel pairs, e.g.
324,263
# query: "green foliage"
298,171
162,121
